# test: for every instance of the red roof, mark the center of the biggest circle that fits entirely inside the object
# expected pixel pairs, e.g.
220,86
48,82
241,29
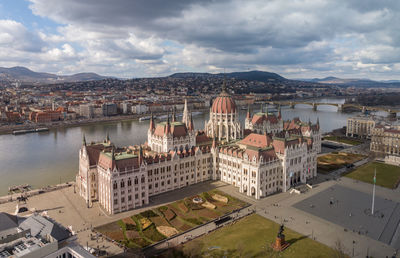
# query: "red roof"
177,129
258,119
257,140
93,152
224,104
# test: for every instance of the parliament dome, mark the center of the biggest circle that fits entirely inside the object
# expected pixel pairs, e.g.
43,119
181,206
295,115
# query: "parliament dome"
224,103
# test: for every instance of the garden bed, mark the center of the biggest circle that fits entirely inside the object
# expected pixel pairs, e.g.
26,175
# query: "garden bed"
141,229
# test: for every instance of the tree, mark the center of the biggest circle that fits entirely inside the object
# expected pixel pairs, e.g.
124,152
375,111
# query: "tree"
339,249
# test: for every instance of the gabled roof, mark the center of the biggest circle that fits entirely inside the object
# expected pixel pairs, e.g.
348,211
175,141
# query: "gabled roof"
41,226
8,221
259,118
93,152
256,140
177,129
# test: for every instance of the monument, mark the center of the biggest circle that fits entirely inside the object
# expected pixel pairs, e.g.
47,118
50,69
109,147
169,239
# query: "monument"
280,243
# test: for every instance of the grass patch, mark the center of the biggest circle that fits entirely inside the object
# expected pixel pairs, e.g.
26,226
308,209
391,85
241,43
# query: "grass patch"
251,237
152,233
195,221
386,175
333,161
343,139
140,230
149,213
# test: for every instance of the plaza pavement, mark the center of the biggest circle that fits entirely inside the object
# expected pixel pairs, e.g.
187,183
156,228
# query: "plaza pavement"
279,208
69,209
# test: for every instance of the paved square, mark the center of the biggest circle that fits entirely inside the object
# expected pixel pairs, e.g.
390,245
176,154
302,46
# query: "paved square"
352,210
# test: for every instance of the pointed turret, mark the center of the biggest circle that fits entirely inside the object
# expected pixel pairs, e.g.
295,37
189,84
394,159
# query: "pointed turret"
191,125
214,143
248,112
152,124
266,109
224,86
185,116
174,114
107,137
262,108
279,112
318,123
167,126
140,155
84,140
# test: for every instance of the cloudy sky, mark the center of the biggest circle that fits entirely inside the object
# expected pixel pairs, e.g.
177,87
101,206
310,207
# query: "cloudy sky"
140,38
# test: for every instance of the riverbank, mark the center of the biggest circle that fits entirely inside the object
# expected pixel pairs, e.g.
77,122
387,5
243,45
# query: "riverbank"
33,192
8,129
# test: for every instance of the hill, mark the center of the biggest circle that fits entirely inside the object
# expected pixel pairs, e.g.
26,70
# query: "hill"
363,83
248,76
25,75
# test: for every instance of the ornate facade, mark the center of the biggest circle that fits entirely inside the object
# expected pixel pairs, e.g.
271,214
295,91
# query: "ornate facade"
224,118
274,156
385,142
360,126
264,121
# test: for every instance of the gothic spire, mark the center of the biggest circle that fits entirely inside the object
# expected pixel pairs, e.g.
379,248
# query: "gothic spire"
191,125
224,85
174,114
185,116
279,112
108,137
167,126
248,112
214,144
84,140
152,125
140,155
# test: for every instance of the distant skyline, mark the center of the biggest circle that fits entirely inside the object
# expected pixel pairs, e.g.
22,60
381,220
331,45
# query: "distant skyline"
125,38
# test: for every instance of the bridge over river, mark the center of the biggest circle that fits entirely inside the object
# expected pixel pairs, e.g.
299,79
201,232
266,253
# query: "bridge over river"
340,107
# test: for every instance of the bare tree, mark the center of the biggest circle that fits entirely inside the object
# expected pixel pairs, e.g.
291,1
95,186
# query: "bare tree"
339,249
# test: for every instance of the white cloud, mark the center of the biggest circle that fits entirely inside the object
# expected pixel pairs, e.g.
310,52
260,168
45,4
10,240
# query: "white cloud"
147,38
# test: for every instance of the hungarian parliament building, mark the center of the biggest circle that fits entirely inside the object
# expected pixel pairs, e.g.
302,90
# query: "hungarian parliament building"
266,156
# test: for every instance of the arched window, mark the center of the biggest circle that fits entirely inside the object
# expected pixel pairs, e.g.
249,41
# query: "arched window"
129,182
122,183
142,179
115,185
136,181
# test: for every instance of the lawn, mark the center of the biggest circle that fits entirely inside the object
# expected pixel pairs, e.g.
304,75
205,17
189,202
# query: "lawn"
144,228
330,162
251,237
386,175
343,139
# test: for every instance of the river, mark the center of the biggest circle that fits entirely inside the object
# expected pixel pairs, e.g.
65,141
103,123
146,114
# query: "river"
47,158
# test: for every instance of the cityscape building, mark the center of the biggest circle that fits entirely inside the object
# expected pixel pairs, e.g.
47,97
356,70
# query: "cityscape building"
268,157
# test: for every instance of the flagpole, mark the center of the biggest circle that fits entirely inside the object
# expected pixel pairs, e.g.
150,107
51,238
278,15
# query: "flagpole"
373,194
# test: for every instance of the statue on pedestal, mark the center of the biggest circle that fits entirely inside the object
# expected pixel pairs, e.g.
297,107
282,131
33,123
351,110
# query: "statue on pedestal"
280,243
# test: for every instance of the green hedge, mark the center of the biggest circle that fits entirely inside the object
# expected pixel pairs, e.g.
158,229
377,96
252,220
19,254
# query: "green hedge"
149,214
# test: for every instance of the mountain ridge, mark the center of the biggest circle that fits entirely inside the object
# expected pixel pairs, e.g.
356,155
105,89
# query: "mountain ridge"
250,75
23,74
